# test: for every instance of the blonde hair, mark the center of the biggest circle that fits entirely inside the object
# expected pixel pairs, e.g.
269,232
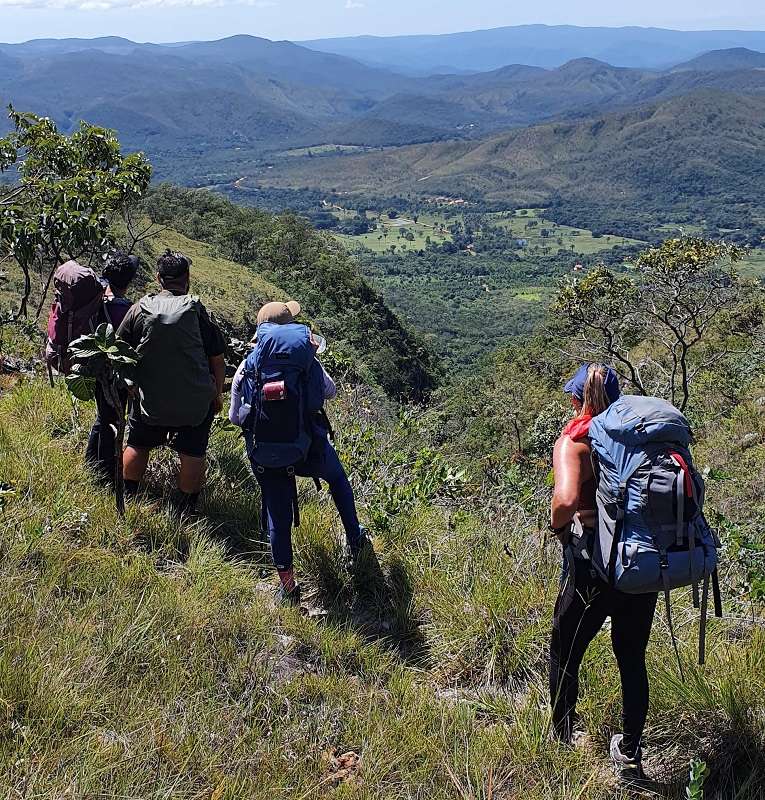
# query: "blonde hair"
595,399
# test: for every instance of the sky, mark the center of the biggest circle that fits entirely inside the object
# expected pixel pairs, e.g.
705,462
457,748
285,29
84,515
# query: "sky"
183,20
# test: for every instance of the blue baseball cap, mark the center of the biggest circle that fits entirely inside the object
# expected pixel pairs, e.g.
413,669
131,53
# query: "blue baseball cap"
575,386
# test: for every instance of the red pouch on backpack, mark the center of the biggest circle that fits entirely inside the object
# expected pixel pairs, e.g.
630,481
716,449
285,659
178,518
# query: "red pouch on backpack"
275,390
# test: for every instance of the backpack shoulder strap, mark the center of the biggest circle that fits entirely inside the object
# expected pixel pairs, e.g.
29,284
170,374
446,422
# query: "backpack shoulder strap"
107,314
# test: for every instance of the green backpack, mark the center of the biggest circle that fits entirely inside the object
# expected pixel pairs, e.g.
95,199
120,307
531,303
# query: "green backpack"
176,388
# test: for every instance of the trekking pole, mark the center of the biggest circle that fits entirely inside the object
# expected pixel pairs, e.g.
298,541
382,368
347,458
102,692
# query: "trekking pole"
703,622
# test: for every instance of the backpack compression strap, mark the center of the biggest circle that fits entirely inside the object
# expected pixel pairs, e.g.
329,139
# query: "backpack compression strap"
670,624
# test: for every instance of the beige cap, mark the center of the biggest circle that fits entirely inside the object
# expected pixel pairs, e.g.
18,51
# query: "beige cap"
280,313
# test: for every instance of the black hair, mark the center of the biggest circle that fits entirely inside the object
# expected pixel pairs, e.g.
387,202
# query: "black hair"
120,269
173,265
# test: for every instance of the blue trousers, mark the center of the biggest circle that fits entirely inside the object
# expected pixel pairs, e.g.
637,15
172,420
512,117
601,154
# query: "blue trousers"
276,488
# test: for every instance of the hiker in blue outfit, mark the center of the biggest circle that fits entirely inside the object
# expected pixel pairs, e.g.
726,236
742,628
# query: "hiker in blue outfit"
277,397
585,600
118,274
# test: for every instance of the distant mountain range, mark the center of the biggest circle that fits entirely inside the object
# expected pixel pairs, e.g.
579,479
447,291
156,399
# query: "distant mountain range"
537,45
203,109
599,142
240,92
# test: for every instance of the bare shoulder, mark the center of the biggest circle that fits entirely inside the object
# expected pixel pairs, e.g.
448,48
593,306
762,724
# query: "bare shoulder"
568,447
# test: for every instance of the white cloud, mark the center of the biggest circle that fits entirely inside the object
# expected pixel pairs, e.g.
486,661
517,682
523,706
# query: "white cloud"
106,5
350,4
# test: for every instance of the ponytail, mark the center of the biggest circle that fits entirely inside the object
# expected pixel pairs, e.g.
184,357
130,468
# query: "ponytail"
595,399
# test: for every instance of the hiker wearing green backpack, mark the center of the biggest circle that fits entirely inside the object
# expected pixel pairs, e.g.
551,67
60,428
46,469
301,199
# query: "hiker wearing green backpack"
628,509
179,379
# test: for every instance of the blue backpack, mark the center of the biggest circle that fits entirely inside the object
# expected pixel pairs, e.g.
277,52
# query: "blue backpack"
652,535
279,395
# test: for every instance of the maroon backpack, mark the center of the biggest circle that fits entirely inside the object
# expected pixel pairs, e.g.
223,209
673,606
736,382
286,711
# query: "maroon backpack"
78,299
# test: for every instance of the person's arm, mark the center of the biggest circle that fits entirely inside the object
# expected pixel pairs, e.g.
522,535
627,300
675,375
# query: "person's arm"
568,460
236,394
218,370
215,348
127,328
330,389
127,332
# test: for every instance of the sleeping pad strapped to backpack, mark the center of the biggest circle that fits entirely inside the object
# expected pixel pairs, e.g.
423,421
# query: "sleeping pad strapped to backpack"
652,535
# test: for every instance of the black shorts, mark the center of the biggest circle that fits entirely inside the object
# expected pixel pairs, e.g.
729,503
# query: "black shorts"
188,440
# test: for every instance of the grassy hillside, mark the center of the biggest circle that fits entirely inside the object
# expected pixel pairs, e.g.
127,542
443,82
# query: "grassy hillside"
233,293
143,658
249,257
317,272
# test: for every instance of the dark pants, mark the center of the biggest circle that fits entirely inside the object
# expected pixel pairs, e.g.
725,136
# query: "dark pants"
579,615
277,489
100,453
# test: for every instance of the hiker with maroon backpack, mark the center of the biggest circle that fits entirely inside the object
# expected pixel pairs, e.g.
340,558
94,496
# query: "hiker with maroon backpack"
119,272
76,306
179,380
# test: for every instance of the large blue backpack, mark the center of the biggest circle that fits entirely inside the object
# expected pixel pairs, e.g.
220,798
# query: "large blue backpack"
279,395
651,535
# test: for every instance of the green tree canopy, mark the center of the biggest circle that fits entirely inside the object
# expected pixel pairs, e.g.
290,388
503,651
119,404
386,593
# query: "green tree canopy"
67,190
651,326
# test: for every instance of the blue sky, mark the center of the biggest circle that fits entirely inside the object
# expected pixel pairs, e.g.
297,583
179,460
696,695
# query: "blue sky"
178,20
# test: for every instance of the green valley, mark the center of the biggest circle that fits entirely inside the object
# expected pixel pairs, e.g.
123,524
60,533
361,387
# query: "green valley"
465,237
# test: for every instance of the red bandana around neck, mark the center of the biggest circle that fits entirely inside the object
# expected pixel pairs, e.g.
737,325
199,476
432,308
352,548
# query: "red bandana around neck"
578,428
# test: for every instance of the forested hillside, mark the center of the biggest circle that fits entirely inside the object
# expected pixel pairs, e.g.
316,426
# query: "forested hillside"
695,158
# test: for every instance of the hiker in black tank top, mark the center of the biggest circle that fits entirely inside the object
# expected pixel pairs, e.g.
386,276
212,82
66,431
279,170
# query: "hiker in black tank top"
585,601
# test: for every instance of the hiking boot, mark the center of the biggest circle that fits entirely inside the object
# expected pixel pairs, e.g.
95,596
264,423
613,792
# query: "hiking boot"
628,770
356,550
183,503
288,599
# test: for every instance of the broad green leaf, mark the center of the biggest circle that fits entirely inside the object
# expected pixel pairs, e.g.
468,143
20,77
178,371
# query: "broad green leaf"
83,387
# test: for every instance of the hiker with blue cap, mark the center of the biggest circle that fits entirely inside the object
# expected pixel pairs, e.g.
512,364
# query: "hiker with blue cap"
585,600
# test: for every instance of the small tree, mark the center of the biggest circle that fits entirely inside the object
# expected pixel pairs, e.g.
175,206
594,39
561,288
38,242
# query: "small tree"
650,327
68,189
101,360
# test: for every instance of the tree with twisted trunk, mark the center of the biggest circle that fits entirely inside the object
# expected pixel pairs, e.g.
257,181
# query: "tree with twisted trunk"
651,325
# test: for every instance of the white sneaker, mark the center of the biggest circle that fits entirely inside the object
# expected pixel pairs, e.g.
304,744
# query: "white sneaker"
629,770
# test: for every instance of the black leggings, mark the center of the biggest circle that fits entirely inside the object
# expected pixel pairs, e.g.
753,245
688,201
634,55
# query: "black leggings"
579,615
101,451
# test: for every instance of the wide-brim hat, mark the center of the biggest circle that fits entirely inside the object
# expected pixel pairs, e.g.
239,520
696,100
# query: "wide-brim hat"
279,313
